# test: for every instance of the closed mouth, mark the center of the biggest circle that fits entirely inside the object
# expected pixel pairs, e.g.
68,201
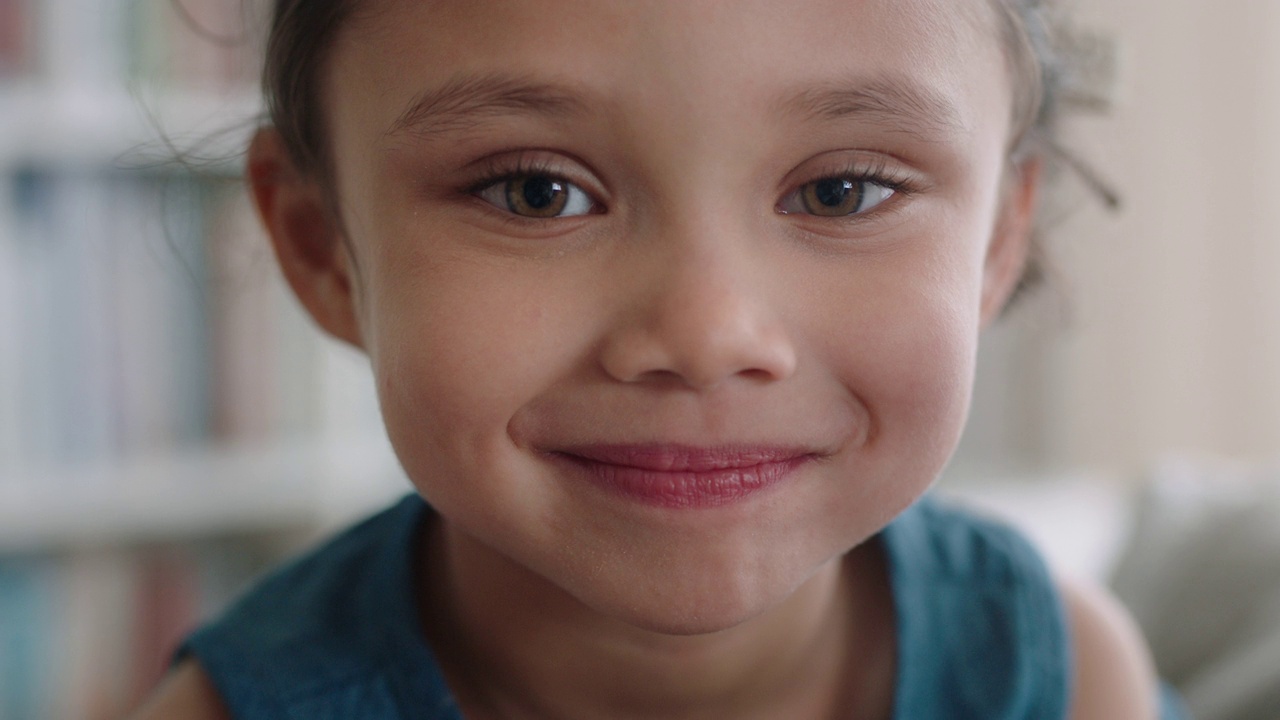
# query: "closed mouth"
685,477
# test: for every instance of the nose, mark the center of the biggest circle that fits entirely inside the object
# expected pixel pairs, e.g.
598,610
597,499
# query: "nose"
697,314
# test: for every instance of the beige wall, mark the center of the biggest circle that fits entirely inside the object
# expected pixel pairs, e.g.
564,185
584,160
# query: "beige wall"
1173,344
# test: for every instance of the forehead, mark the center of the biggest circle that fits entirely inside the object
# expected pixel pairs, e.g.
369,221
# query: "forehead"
694,60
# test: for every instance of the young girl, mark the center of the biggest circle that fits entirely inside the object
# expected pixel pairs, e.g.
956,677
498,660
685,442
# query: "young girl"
673,309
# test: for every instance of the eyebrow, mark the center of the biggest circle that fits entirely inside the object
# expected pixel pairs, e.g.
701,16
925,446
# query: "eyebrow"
467,100
908,107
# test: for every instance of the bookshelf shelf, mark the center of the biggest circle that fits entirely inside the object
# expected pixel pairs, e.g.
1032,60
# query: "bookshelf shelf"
169,421
45,126
207,492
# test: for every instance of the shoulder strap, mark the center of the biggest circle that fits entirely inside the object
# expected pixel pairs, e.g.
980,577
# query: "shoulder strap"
982,631
333,634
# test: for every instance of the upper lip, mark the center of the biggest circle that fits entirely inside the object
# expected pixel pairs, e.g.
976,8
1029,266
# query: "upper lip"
657,457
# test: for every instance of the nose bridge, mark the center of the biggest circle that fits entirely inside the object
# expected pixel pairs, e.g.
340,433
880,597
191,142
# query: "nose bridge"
697,308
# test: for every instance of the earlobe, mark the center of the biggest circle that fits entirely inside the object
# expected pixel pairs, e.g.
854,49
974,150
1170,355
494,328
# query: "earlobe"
1010,244
304,235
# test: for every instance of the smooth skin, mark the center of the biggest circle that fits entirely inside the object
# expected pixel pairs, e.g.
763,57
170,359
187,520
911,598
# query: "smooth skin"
686,295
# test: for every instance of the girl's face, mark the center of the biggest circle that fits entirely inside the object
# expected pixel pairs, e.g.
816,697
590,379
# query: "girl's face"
673,303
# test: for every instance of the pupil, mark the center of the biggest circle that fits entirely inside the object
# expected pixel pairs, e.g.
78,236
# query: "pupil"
832,192
540,192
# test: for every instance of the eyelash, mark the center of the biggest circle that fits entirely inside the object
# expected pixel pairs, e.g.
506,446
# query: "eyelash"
877,173
495,172
498,172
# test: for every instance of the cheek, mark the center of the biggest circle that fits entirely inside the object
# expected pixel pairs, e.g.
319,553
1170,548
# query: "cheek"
455,356
936,344
903,345
927,374
909,373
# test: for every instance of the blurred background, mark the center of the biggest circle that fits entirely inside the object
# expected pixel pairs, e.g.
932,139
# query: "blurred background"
1161,332
170,424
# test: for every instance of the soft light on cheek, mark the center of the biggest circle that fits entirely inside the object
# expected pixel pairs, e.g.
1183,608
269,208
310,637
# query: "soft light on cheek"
458,350
444,392
447,425
926,359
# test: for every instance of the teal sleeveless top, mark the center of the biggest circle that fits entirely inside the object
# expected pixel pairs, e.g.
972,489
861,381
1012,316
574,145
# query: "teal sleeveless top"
334,635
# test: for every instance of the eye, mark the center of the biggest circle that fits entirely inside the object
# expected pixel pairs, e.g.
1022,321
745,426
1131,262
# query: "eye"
837,197
537,196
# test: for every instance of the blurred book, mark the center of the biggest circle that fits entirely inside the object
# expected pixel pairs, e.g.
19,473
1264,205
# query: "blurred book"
15,43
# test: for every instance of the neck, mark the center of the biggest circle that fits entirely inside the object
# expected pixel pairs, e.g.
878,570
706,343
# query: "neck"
512,645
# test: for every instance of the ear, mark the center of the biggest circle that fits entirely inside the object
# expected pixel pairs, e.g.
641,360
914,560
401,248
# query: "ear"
1011,239
306,237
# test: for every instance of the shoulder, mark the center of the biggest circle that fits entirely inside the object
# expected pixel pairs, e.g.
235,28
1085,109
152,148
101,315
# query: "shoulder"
324,624
1114,674
1104,657
1109,668
982,627
186,693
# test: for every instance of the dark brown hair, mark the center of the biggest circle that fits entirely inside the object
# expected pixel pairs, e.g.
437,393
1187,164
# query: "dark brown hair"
302,35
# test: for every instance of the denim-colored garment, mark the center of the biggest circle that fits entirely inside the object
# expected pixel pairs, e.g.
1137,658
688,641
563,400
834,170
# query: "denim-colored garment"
981,629
335,635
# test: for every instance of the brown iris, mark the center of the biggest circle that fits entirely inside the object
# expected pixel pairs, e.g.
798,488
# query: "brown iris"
537,196
832,197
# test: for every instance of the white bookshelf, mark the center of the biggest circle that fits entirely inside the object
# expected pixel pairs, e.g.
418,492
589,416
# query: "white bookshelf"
77,125
79,111
168,420
304,486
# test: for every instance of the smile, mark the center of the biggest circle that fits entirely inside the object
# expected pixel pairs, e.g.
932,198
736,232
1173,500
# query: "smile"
681,477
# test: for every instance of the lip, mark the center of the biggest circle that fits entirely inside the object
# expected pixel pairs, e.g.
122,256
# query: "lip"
685,477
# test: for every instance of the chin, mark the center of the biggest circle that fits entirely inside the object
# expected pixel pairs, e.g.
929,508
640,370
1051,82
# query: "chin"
692,624
691,621
702,606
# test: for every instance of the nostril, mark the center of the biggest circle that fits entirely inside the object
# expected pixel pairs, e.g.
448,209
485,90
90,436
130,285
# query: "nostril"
760,375
662,355
699,315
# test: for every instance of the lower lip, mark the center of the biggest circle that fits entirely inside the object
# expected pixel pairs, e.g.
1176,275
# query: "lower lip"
686,489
